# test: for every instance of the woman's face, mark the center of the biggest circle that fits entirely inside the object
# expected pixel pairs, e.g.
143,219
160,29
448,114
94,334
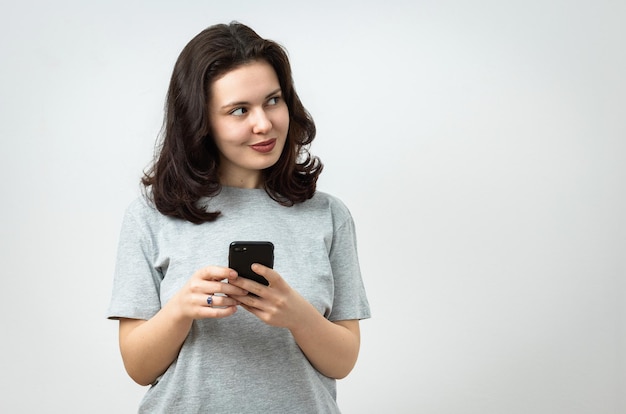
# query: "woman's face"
249,121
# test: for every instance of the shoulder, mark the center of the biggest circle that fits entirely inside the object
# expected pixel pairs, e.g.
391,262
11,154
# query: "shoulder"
141,209
142,215
329,200
334,205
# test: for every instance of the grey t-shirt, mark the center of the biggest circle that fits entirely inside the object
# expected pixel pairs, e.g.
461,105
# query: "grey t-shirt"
239,364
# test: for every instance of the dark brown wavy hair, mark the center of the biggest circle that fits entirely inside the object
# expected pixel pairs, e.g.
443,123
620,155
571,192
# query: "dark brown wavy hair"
186,165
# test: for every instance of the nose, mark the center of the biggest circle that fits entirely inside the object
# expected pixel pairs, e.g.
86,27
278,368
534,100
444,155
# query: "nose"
261,124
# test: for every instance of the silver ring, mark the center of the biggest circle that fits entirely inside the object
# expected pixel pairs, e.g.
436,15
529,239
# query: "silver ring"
209,301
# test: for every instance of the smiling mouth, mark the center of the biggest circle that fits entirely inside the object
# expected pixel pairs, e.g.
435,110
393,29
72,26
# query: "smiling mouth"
265,146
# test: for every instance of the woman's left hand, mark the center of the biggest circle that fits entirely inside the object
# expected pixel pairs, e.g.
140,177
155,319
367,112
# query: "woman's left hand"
277,304
331,347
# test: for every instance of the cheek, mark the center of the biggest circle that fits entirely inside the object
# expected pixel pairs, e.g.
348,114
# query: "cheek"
283,120
228,134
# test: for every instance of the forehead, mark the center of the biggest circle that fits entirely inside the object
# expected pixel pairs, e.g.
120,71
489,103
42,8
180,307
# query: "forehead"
248,81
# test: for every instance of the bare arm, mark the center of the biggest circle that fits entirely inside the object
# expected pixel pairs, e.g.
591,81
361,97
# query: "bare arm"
331,347
149,347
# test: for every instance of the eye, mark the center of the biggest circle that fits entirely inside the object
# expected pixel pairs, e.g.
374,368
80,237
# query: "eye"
238,111
273,100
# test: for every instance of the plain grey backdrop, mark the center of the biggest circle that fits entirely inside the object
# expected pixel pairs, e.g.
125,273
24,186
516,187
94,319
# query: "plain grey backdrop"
480,145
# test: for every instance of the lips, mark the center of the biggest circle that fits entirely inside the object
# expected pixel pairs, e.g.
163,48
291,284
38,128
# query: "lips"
265,146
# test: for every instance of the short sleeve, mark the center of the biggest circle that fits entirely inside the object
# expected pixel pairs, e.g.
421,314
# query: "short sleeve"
350,299
136,280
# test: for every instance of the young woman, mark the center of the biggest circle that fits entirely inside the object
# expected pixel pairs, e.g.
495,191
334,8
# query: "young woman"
234,165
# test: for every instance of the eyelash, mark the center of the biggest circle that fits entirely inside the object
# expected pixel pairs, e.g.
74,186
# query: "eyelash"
276,100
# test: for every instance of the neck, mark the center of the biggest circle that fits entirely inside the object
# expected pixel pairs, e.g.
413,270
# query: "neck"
242,182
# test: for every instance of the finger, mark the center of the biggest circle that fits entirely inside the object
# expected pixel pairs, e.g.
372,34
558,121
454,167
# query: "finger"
225,288
252,310
215,273
267,272
248,285
217,312
219,301
249,300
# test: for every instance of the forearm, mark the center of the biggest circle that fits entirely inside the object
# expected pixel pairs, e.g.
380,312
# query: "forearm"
149,347
331,347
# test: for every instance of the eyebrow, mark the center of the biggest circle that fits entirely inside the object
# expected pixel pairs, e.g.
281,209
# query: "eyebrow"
240,103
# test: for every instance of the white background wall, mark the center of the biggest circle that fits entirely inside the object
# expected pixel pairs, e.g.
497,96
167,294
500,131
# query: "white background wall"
480,145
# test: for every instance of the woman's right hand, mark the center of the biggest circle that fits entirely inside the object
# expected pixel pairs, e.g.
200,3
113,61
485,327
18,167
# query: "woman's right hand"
149,346
208,284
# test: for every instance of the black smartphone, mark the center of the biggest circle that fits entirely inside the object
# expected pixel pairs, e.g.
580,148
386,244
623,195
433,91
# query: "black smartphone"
242,254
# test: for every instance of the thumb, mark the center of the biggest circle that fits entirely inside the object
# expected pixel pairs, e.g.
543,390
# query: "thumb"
267,272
